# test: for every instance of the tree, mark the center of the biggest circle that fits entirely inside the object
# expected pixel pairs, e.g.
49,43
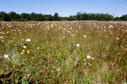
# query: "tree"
25,17
56,17
124,17
4,16
14,16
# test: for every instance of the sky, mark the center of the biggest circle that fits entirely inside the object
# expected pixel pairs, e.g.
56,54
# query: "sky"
65,7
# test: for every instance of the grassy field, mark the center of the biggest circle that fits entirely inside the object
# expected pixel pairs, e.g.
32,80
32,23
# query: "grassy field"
63,53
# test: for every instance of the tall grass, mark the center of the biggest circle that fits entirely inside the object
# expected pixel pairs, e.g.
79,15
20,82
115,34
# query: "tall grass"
63,53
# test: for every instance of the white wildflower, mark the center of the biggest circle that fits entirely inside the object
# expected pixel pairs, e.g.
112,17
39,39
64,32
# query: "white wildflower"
1,37
77,45
24,47
85,63
92,58
38,48
88,57
6,56
117,38
28,40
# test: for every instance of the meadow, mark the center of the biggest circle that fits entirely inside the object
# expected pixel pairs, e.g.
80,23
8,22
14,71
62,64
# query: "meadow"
63,52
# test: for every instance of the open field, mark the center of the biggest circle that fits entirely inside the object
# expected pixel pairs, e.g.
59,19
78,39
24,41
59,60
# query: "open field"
88,52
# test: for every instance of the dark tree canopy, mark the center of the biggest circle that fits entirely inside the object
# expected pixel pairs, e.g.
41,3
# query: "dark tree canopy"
12,16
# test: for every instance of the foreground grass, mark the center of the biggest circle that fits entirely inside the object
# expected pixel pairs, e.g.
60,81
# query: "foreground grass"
63,53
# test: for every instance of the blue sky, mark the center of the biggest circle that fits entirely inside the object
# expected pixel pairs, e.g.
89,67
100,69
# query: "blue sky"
65,7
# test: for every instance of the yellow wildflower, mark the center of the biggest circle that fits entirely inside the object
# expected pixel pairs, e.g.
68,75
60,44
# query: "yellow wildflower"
28,52
23,50
13,65
85,36
84,59
22,53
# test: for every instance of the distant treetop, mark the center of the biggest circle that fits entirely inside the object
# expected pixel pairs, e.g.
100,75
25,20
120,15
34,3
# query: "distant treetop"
12,16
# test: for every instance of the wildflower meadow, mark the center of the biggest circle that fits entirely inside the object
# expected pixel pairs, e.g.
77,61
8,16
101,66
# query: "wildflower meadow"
63,52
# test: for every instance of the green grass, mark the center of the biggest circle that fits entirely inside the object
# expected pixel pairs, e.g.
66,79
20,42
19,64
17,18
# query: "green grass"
54,58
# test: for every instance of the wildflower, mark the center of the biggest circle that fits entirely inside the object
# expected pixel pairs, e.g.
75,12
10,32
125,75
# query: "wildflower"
85,36
22,53
117,38
92,58
77,45
13,65
6,56
88,57
85,63
1,37
28,40
38,48
24,47
27,52
84,59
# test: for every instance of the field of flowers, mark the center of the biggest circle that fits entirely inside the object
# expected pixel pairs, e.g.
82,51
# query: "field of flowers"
63,52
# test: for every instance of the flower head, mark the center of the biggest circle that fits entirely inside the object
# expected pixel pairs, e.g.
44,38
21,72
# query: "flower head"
38,48
28,40
1,37
84,59
6,56
23,52
117,38
77,45
85,36
24,47
27,51
88,57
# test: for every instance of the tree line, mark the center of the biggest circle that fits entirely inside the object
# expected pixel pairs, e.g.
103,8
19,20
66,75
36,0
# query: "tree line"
13,16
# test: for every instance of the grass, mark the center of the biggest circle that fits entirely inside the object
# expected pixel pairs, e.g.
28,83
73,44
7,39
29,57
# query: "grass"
63,53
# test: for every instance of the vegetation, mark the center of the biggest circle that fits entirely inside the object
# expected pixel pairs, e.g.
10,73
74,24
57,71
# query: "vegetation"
63,52
12,16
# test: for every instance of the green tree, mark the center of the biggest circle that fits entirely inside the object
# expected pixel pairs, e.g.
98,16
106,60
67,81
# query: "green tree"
56,17
25,17
4,16
14,16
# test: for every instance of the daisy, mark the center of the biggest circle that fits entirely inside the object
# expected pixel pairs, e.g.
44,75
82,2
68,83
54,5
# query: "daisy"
24,47
28,40
88,57
77,45
6,56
